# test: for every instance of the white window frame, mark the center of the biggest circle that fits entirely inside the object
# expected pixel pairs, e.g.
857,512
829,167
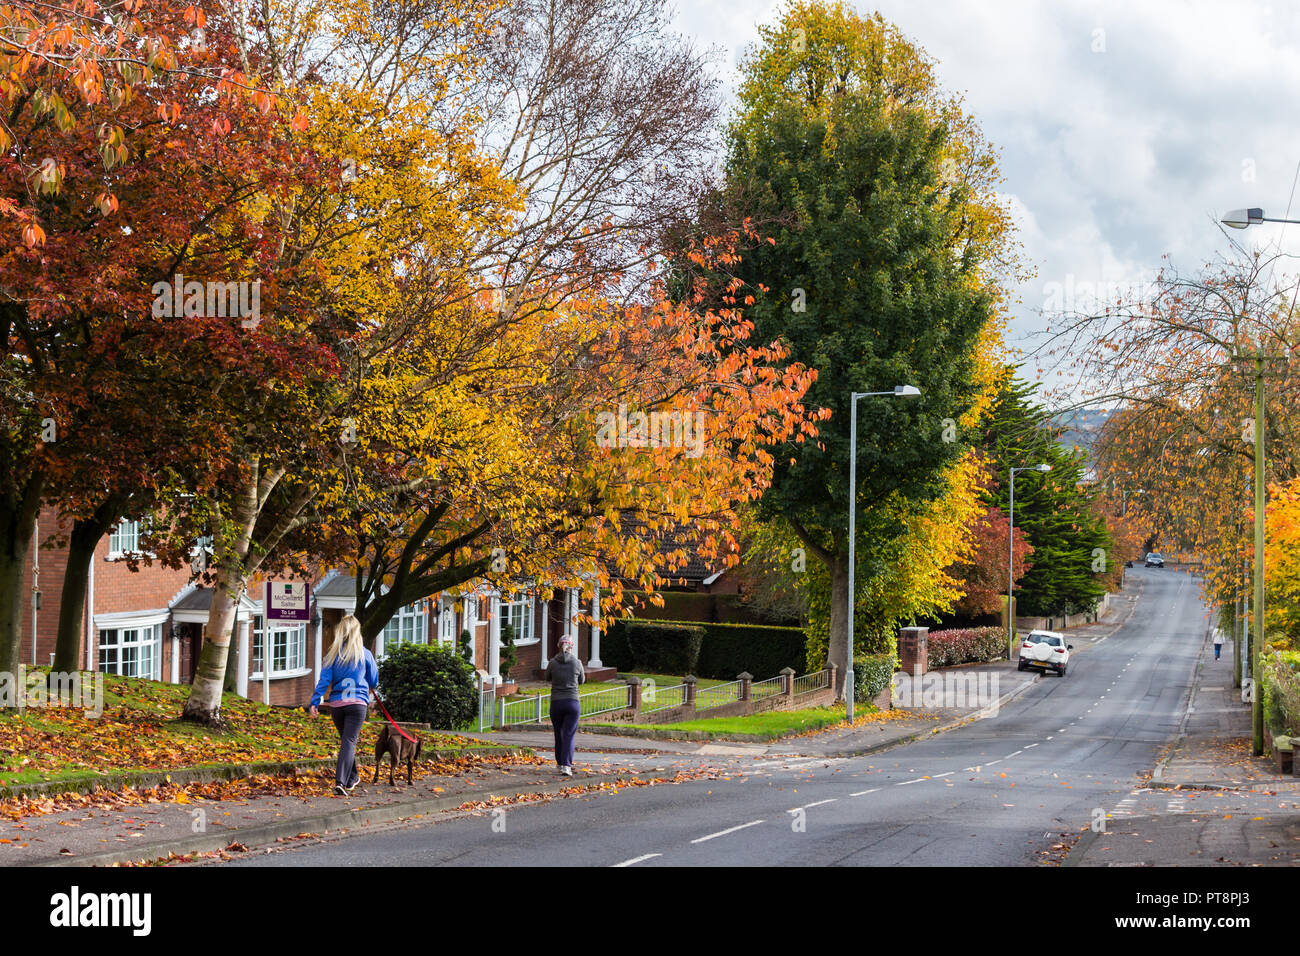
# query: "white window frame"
146,638
521,605
117,538
293,638
408,626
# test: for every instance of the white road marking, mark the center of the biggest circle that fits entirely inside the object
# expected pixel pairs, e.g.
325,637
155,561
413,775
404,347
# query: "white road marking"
714,836
809,806
863,793
947,774
1016,754
1027,746
637,859
906,782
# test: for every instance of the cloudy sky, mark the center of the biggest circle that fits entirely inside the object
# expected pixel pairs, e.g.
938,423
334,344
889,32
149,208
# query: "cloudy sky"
1125,128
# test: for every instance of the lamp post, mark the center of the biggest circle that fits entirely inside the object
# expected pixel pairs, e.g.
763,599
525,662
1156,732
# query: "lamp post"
1011,557
900,391
1240,219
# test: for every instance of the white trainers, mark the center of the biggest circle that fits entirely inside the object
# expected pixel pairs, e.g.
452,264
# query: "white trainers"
567,771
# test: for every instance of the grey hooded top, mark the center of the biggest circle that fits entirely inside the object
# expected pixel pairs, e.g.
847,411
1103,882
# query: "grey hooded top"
566,674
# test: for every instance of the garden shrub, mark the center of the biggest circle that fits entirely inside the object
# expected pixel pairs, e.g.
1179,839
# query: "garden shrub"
871,674
966,646
429,684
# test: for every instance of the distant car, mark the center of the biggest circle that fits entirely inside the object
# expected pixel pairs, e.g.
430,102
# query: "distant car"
1045,650
1155,561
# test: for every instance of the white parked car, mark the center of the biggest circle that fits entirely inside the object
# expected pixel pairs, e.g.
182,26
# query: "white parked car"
1046,650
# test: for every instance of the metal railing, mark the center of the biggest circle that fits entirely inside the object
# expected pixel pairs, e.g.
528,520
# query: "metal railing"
605,700
717,695
763,689
494,711
807,683
654,697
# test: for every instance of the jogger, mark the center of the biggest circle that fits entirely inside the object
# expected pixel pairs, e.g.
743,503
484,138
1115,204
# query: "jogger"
566,674
564,718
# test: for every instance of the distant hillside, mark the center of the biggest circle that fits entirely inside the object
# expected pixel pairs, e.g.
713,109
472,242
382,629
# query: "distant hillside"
1081,426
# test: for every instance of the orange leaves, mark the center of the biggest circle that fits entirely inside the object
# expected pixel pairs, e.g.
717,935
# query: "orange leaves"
33,235
107,203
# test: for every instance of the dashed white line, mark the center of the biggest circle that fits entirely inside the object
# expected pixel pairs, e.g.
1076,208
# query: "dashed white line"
720,833
947,774
809,806
637,859
863,793
1027,746
904,783
1016,754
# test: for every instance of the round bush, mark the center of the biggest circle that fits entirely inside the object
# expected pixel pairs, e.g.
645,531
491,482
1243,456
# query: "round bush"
429,684
871,674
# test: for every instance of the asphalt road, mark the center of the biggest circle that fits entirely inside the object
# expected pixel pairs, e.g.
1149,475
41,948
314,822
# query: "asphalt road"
997,791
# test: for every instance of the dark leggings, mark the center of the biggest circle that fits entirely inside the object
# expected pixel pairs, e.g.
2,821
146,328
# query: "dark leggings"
348,718
564,718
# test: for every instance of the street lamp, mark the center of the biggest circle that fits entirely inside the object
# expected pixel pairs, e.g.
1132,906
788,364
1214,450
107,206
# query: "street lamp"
1011,556
1240,219
900,391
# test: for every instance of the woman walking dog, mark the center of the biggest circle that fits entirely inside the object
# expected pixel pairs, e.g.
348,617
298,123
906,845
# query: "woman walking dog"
566,674
349,673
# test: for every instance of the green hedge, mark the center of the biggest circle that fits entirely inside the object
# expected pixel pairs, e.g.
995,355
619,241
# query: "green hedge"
871,674
725,651
664,647
762,650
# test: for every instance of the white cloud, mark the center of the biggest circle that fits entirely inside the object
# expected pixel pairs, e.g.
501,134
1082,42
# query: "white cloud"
1111,159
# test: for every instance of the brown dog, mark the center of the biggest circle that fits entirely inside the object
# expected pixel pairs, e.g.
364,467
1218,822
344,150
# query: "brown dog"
398,748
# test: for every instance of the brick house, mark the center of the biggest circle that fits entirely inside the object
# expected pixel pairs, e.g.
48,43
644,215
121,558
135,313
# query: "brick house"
149,623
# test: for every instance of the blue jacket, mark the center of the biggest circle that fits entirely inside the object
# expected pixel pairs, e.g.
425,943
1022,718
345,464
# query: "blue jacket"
348,684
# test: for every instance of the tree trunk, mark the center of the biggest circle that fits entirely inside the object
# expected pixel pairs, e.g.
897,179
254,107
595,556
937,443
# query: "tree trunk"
17,525
204,704
838,644
72,603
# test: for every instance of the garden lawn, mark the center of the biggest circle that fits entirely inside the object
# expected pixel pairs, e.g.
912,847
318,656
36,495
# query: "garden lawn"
770,724
140,730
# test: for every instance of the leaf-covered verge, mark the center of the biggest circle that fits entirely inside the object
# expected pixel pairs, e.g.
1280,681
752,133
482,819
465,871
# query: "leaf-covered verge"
139,731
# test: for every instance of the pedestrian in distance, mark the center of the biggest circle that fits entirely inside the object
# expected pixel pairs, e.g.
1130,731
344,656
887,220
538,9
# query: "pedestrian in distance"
348,673
1218,643
566,673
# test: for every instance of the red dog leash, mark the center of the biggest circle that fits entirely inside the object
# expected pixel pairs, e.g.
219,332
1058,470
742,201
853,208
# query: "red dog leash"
393,722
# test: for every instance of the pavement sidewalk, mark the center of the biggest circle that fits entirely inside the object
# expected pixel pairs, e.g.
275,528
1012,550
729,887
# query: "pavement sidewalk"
111,828
1209,802
1213,746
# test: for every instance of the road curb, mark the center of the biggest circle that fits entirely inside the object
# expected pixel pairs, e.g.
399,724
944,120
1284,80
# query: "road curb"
350,819
1080,849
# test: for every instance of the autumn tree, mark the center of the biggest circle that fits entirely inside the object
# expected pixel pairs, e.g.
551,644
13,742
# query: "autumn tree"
983,578
104,187
890,249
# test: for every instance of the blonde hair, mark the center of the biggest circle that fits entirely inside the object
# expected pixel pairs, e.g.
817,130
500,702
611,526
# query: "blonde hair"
347,647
